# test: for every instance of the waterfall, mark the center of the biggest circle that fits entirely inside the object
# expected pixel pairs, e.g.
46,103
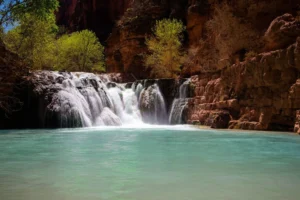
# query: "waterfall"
152,105
85,99
183,89
180,104
139,90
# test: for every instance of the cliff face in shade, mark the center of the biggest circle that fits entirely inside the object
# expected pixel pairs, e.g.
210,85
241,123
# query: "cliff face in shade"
97,15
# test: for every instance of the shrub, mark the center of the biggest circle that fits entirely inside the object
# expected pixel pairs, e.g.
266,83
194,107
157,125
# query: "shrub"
233,34
166,56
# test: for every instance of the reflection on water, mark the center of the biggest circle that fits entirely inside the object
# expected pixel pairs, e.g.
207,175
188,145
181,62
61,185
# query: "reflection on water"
150,163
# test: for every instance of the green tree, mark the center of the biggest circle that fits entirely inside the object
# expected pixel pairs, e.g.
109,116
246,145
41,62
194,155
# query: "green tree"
166,56
80,51
33,40
13,10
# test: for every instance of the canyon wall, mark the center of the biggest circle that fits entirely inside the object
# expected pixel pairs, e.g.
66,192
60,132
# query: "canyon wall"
123,25
261,93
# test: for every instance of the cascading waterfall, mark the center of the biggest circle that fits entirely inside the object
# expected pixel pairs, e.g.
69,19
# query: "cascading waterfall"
152,105
180,104
85,99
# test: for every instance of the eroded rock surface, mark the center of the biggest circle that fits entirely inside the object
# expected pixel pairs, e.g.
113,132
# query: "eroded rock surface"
260,94
282,32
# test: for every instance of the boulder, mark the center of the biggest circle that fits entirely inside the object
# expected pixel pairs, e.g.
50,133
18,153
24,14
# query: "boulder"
282,32
297,123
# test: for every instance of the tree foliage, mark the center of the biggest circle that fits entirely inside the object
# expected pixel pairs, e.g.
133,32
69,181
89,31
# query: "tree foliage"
33,40
80,51
166,55
13,10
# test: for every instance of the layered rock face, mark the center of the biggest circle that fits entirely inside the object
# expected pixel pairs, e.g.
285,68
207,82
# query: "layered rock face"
282,32
262,93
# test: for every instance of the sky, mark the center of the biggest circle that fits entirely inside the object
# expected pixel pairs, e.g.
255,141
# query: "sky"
6,27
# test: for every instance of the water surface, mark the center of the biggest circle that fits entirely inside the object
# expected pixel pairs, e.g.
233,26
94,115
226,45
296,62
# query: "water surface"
150,163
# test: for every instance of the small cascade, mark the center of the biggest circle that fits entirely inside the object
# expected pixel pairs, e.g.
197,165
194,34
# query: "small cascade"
131,114
152,105
84,100
184,89
180,104
138,90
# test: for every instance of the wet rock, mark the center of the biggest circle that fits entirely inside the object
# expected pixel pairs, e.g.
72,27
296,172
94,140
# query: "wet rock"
221,120
111,85
297,123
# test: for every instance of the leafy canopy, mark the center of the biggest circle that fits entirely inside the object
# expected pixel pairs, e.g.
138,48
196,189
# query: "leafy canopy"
14,10
80,51
166,56
32,40
35,41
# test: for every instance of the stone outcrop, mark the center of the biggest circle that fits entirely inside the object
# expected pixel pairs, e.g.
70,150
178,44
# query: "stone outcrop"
297,122
262,93
282,32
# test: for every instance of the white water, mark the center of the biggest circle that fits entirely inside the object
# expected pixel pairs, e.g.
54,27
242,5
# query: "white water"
179,104
152,105
84,100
